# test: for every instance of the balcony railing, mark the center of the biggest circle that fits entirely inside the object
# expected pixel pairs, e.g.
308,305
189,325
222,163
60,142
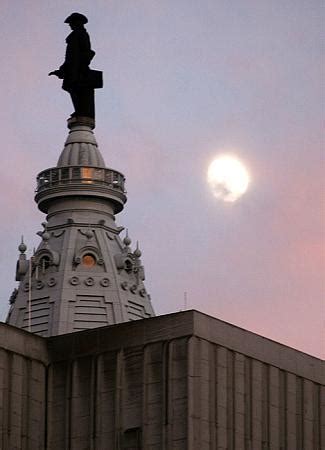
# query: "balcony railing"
59,176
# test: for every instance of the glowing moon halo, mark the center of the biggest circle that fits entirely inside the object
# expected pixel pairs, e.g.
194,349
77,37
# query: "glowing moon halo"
228,178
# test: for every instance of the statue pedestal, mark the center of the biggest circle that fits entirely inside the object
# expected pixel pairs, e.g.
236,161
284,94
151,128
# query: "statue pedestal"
81,120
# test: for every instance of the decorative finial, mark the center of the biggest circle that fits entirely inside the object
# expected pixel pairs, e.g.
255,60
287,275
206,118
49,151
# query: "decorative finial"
22,246
137,251
22,264
127,240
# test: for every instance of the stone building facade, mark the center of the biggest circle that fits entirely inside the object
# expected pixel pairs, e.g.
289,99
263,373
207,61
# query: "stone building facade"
184,381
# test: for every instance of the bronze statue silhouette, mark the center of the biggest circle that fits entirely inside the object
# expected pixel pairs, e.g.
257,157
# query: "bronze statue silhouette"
78,79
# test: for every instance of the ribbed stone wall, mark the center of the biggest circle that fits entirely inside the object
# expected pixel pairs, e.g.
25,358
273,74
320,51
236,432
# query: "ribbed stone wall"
186,393
182,381
240,403
23,372
132,398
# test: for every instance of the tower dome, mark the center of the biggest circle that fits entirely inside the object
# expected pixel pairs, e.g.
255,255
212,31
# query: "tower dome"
81,172
81,148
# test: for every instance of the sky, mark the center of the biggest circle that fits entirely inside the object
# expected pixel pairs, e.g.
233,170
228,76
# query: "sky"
186,81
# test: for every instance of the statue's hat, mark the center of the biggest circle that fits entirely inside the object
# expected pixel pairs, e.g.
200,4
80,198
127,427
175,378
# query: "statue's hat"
76,18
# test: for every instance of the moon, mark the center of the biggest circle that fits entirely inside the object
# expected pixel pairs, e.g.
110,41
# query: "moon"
228,178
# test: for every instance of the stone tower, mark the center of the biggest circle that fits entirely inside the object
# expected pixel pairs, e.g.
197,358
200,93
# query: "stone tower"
82,275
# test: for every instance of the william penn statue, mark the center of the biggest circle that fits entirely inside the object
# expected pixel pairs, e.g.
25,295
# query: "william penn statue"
78,79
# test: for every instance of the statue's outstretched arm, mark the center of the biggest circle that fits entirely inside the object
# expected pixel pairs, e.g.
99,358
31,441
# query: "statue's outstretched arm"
57,73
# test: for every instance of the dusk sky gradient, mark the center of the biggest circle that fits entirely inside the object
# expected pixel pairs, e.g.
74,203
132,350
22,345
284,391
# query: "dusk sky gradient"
185,81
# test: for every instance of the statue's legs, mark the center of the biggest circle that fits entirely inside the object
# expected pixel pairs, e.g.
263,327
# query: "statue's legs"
83,100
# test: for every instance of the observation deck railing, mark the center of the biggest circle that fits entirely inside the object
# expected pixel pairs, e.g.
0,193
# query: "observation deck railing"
72,175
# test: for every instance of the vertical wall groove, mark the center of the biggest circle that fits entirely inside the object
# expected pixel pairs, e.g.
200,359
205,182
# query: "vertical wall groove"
257,403
68,409
248,415
265,407
322,416
316,421
145,397
93,403
230,401
222,398
97,401
239,401
282,409
212,364
165,398
119,398
8,400
25,404
299,415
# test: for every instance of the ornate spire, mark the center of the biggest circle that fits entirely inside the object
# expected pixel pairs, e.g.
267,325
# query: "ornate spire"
82,274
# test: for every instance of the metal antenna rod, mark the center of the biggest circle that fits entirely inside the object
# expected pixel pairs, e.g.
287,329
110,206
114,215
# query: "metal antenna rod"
185,300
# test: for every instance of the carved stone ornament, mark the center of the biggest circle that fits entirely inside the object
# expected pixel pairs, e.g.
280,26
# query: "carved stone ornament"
51,282
13,296
21,267
124,285
74,281
89,281
133,288
105,282
52,256
39,284
58,233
